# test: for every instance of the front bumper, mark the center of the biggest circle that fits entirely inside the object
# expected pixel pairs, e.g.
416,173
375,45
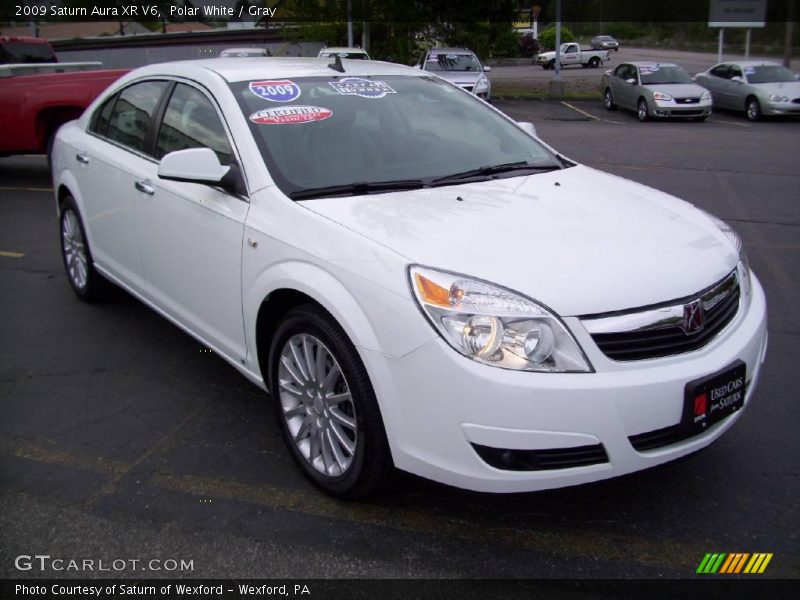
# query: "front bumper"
780,108
437,405
669,108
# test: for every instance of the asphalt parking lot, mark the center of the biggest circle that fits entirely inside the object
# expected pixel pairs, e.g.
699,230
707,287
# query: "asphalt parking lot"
121,437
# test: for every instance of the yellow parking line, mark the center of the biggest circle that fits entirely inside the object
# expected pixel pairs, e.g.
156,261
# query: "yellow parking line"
11,254
25,189
583,112
729,123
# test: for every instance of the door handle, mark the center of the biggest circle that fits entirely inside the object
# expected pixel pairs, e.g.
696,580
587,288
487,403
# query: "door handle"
82,157
145,187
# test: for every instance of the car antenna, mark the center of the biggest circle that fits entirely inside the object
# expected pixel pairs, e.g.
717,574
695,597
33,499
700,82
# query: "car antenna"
336,65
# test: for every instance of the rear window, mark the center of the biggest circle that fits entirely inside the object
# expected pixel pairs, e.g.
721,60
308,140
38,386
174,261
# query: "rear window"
25,52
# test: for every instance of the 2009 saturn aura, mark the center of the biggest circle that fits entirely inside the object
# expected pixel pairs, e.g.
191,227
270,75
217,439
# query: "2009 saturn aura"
417,280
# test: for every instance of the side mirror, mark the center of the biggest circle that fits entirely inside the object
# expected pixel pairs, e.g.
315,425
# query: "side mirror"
197,165
631,81
737,79
487,69
527,127
200,165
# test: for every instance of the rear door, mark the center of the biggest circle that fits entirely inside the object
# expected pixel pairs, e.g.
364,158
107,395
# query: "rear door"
192,234
107,164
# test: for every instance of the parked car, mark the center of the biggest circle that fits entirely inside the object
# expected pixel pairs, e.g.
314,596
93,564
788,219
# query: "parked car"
350,53
655,90
460,66
604,42
417,280
245,52
36,97
573,54
756,87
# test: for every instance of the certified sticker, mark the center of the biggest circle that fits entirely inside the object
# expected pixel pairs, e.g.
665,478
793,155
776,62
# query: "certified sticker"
358,86
284,115
276,90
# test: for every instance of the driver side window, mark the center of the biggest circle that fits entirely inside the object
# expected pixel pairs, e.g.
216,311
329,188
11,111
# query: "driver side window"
722,71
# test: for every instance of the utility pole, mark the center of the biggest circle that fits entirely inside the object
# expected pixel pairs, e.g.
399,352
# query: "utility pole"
787,45
350,23
557,86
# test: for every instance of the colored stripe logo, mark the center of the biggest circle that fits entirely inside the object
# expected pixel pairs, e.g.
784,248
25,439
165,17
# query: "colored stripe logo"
734,562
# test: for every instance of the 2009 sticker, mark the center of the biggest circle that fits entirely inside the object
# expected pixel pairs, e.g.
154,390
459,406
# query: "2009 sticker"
284,115
358,86
276,90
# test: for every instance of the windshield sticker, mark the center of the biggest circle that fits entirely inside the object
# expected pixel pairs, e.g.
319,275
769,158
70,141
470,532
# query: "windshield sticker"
357,86
276,90
284,115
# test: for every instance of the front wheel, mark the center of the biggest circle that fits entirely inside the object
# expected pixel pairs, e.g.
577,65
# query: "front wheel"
87,283
326,406
551,65
753,109
641,110
608,100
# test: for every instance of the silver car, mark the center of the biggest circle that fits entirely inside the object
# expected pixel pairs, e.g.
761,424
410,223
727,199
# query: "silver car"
605,42
655,90
459,66
755,87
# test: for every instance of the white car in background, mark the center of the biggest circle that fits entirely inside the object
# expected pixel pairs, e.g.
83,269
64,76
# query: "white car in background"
416,279
459,66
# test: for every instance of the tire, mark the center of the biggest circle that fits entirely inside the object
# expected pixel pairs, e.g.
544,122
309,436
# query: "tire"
551,65
341,447
608,100
76,255
641,110
752,109
594,62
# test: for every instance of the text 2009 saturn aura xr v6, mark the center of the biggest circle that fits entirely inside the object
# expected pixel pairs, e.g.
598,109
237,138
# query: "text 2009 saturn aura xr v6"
416,279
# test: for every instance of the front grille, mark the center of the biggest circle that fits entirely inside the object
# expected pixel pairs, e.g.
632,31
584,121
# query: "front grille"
687,100
687,113
542,460
721,303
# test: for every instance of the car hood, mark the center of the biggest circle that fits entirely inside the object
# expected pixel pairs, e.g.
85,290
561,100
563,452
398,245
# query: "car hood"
783,88
677,90
459,77
578,240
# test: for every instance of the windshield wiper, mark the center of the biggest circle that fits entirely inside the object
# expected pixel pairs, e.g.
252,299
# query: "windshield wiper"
494,170
356,189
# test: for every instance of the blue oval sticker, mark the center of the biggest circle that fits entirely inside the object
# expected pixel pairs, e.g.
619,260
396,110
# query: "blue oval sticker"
276,90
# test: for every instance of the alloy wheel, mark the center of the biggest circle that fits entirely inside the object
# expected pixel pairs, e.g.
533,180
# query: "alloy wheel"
74,248
317,405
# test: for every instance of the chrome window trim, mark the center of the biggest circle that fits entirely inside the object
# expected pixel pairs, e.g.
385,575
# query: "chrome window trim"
662,317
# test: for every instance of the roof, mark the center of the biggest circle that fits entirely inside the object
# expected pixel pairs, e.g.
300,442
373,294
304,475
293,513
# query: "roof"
251,68
750,63
649,63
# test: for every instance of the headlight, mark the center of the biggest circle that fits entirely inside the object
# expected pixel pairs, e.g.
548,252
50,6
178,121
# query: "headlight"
482,84
777,98
661,96
495,326
706,96
744,265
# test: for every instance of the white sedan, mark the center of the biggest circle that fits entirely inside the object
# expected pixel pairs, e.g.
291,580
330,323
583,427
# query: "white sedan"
417,280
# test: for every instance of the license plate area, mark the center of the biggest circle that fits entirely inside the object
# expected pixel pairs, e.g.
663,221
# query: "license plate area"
712,398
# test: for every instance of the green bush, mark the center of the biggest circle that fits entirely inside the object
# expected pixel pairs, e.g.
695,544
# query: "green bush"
547,38
507,44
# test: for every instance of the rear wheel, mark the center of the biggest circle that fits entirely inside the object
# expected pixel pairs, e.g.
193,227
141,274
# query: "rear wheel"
641,111
608,100
326,406
594,62
87,283
753,109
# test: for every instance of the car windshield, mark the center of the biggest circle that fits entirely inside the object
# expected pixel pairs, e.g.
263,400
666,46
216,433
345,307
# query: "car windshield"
604,38
370,132
658,74
24,52
768,74
452,62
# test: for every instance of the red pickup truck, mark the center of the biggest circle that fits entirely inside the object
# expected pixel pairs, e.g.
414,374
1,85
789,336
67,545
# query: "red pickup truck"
37,97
